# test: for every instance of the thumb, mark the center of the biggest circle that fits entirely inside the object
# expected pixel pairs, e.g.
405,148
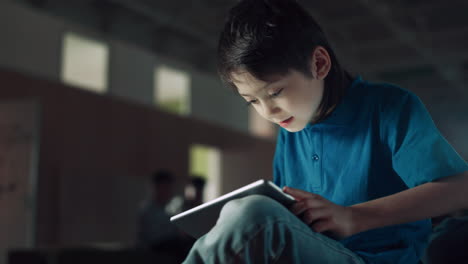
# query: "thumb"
297,193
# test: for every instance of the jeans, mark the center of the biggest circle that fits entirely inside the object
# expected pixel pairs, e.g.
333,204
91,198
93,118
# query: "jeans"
257,229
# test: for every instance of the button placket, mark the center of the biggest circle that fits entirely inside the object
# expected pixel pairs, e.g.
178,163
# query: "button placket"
315,158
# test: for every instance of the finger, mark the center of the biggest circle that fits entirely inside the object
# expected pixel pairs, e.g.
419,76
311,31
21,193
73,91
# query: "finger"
297,193
312,215
305,204
321,226
298,208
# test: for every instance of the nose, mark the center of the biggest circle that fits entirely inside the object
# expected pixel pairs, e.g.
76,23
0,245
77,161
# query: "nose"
270,109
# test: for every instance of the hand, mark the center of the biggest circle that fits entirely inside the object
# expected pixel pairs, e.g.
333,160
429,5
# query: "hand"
322,215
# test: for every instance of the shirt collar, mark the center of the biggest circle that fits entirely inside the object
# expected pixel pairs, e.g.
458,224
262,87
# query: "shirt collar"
342,115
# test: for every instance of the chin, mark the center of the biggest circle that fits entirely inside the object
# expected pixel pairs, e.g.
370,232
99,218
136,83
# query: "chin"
294,129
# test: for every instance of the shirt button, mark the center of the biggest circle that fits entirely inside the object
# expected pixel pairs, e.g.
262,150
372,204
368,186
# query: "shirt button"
315,157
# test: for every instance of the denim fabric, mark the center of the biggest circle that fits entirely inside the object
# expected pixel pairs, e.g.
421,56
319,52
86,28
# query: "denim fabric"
257,229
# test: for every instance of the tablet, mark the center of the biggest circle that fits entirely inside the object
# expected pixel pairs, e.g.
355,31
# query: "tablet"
199,220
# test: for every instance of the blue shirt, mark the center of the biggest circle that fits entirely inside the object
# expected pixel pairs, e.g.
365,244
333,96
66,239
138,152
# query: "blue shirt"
380,140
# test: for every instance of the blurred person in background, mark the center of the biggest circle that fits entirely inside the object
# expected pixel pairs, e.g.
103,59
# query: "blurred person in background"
154,227
194,192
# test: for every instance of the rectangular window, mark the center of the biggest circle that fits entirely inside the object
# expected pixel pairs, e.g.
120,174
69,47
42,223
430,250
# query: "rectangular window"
205,162
85,62
172,90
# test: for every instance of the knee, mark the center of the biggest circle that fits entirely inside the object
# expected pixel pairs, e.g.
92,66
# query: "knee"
253,208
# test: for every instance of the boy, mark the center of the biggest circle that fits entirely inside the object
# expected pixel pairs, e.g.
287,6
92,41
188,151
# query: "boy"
364,161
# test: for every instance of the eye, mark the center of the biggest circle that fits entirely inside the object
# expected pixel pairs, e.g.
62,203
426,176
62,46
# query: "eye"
277,93
255,101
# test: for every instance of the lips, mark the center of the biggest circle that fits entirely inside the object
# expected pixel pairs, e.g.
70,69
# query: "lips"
286,122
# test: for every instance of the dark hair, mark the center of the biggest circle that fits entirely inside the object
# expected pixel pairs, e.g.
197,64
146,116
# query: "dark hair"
162,176
269,37
197,181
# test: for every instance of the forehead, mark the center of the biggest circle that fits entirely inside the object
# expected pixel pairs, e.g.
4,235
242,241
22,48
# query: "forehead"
247,84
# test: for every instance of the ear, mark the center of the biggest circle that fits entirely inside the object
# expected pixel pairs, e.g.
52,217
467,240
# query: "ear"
321,63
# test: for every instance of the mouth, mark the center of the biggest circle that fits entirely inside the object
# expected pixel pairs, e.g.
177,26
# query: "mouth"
286,122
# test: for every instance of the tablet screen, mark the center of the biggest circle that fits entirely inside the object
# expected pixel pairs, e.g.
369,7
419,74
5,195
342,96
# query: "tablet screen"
199,220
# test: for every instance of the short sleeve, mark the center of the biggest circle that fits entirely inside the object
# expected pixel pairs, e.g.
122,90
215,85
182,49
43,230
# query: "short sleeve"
419,152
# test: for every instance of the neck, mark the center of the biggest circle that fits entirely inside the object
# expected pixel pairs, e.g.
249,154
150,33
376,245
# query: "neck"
334,92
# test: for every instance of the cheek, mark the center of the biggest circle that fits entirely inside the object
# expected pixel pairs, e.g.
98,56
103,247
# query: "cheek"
313,97
258,110
303,101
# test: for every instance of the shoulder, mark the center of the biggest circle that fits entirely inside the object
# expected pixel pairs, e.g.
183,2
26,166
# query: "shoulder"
390,101
148,207
143,205
386,94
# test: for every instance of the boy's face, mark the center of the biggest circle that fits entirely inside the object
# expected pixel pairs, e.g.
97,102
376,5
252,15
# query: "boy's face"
290,100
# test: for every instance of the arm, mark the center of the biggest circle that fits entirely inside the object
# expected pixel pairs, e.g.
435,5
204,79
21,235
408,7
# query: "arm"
422,202
425,201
